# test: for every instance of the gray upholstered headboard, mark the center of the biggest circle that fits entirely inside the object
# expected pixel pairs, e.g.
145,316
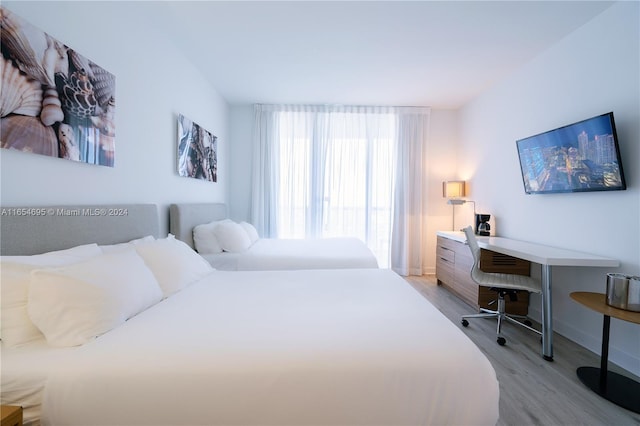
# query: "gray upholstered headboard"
39,229
184,217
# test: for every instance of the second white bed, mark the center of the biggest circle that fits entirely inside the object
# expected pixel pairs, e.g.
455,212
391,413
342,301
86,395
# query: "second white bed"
290,254
270,253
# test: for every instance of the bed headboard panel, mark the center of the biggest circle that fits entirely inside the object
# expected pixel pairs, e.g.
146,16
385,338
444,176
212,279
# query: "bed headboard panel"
34,230
184,217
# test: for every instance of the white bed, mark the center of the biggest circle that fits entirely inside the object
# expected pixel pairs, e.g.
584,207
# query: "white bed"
290,254
322,347
270,253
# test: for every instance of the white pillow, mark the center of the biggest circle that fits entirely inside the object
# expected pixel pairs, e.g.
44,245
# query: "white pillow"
173,263
58,257
113,248
74,304
204,237
15,275
251,231
232,237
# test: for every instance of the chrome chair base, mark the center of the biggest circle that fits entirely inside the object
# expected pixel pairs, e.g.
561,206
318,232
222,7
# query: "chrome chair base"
502,316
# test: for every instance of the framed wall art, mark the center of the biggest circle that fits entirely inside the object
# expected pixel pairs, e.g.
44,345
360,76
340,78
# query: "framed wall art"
53,100
197,151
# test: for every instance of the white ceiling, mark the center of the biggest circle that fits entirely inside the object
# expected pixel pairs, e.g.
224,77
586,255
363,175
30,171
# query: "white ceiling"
436,53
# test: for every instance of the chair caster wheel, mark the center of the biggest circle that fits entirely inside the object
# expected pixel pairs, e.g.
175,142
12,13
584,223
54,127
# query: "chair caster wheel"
527,323
501,341
465,323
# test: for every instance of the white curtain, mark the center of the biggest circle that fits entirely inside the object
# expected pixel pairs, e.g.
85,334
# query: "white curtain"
323,171
408,243
265,165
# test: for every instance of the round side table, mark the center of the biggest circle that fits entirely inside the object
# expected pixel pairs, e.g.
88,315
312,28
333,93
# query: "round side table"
619,389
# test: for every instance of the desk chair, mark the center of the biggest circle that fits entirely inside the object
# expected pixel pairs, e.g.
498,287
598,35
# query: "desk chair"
503,285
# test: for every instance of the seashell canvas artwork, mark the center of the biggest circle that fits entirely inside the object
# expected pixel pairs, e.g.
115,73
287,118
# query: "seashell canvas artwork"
53,100
197,151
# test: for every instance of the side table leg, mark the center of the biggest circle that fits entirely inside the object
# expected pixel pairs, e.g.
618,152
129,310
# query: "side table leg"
619,389
604,357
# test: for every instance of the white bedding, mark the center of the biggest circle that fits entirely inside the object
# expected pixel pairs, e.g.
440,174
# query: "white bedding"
24,372
330,347
288,254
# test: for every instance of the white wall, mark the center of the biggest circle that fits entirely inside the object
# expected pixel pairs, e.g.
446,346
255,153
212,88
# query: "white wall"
443,138
154,83
592,71
241,164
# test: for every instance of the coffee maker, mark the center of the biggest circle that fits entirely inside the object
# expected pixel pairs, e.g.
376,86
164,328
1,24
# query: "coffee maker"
482,224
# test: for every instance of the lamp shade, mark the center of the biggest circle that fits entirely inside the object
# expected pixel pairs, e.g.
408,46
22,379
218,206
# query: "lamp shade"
453,189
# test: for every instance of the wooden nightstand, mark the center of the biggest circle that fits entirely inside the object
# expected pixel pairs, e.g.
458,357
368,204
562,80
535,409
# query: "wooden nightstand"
10,415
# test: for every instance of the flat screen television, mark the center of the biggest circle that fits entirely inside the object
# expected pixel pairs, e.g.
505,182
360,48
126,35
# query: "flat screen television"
579,157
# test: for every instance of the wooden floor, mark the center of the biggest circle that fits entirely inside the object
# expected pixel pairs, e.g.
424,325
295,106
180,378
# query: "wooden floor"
532,390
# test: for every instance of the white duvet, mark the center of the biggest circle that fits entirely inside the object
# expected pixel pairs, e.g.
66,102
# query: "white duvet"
287,254
324,347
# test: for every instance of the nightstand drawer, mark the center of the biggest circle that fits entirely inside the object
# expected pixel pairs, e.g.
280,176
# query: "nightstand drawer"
10,415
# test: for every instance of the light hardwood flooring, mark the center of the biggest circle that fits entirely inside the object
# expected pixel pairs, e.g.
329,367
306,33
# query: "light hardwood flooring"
532,391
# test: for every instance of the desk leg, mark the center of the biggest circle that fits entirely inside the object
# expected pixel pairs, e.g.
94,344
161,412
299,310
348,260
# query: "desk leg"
547,325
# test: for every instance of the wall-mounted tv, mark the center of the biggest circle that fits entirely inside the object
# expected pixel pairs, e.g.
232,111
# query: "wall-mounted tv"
579,157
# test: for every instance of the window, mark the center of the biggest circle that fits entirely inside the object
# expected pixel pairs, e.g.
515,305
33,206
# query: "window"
335,177
325,171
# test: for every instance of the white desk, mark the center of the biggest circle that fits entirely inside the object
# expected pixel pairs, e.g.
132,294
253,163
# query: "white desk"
547,257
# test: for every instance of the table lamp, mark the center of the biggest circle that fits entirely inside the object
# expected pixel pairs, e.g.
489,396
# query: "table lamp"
453,190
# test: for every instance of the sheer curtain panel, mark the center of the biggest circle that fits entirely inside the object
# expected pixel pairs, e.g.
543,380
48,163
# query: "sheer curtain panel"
327,171
408,243
265,163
